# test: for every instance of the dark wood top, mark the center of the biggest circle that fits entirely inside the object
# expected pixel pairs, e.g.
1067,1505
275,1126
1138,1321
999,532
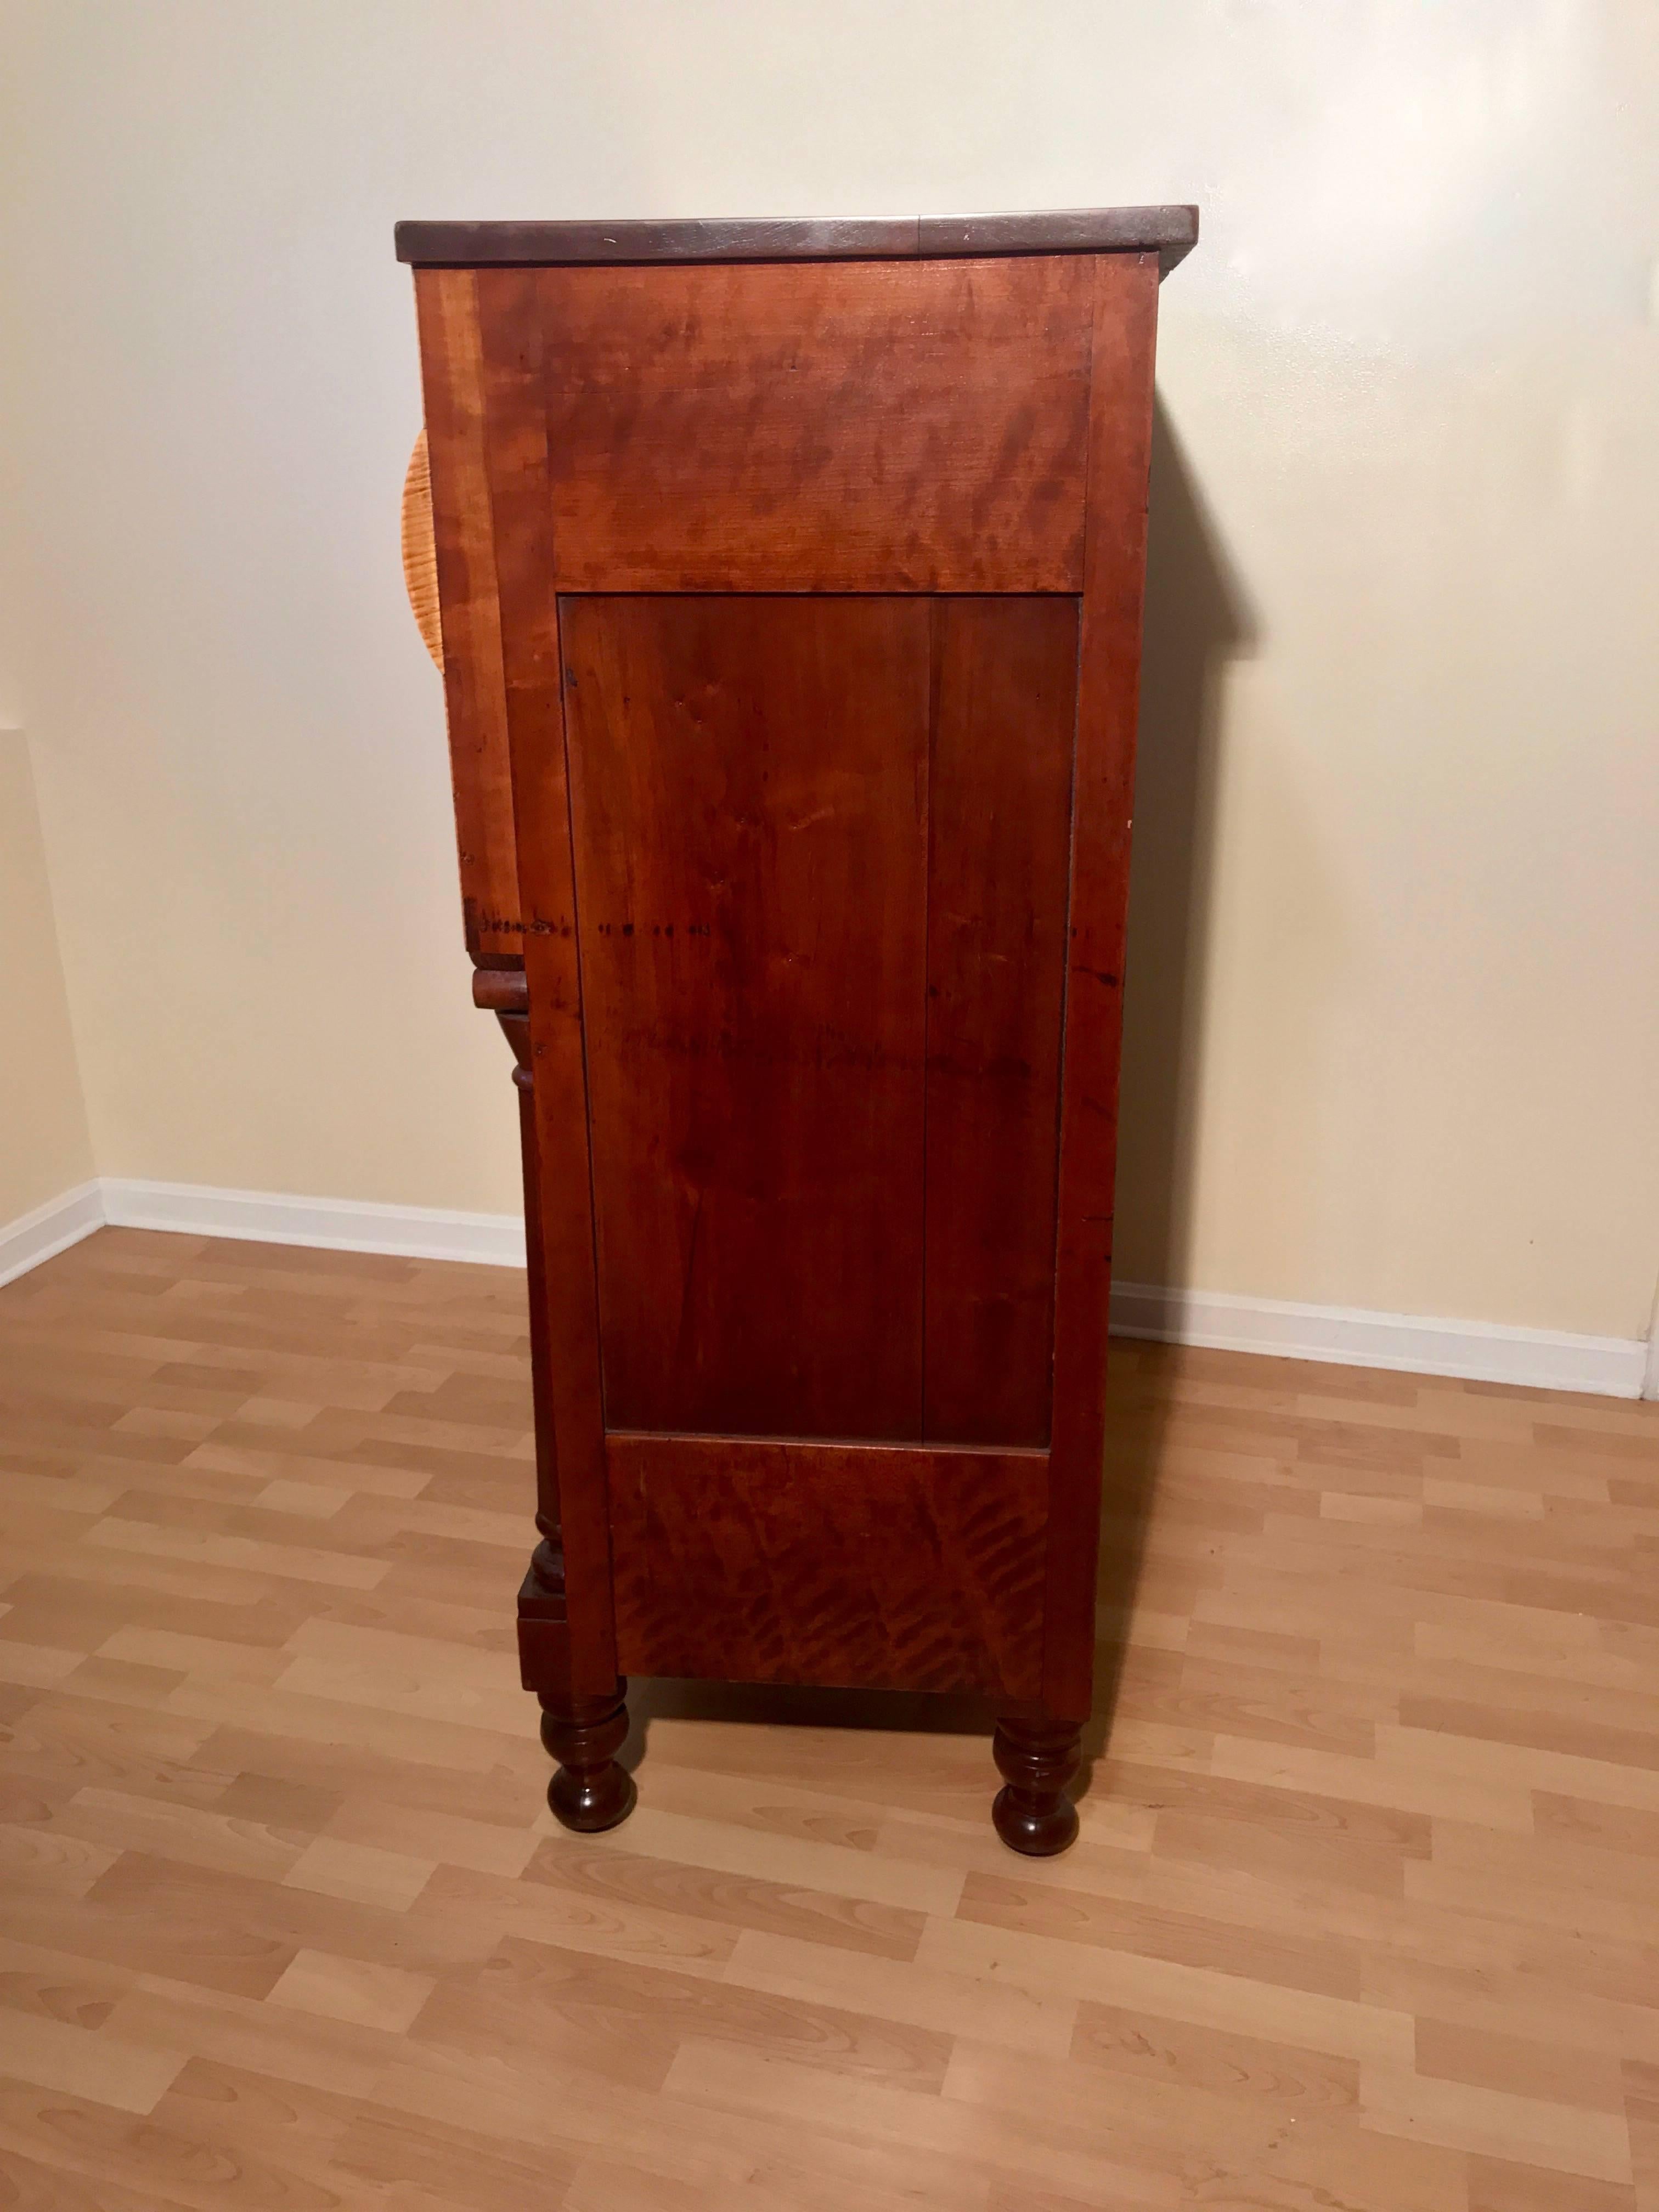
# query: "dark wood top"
1170,231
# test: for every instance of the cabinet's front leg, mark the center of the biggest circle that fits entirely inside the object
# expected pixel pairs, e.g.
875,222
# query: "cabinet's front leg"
583,1734
589,1791
1036,1758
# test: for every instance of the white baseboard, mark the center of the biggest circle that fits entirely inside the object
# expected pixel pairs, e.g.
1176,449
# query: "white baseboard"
333,1224
1484,1352
51,1228
1473,1351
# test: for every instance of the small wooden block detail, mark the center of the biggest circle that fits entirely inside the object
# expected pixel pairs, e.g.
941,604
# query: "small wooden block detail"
864,1566
543,1654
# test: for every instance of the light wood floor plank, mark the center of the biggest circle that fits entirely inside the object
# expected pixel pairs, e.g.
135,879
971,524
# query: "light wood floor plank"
1365,1913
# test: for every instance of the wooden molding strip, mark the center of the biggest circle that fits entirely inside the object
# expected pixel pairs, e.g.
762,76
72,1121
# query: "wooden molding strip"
48,1230
1170,231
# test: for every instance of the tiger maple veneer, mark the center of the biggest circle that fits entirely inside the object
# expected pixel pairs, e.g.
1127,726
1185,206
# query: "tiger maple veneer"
790,578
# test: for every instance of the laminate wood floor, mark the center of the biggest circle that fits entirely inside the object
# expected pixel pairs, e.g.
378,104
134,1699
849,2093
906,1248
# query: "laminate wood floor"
1365,1916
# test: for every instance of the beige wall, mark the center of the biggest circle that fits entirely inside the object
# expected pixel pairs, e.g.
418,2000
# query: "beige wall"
44,1150
1392,1034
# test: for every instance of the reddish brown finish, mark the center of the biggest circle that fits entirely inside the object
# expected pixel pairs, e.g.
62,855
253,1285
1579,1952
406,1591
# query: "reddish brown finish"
447,302
516,446
749,781
1005,702
868,1566
823,854
827,426
545,1644
543,1620
1119,449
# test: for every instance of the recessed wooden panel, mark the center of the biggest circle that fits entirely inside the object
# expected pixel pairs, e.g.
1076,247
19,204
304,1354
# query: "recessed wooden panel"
475,691
748,785
869,1566
999,795
832,427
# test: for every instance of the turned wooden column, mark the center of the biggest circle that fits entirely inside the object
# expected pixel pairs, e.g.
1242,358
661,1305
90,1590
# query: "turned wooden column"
583,1734
1036,1758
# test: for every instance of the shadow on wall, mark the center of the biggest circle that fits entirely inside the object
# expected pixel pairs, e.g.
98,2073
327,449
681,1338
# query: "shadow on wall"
1197,620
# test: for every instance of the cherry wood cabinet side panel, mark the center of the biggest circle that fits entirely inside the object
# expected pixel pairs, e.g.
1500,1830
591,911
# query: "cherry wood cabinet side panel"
1004,699
819,426
749,793
475,692
517,453
1108,675
864,1566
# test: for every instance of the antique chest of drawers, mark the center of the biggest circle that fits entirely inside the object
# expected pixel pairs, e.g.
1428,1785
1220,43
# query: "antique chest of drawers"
790,581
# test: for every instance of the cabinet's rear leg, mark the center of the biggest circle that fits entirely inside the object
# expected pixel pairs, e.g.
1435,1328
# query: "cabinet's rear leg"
583,1732
1036,1758
590,1791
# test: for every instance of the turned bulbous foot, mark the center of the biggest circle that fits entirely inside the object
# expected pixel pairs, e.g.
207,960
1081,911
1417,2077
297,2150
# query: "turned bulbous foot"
1032,1812
589,1791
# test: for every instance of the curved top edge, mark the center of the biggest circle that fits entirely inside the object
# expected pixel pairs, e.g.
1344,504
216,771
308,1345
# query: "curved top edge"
1169,232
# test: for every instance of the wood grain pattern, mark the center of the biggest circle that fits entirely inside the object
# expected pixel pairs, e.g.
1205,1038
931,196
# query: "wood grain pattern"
1005,688
1170,232
750,787
475,691
285,1921
868,1566
420,552
831,427
517,460
1109,684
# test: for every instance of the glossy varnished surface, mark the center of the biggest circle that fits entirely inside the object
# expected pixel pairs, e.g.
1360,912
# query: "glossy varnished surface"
475,692
822,854
875,1566
750,787
815,427
1362,1916
512,366
1109,693
775,548
999,804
